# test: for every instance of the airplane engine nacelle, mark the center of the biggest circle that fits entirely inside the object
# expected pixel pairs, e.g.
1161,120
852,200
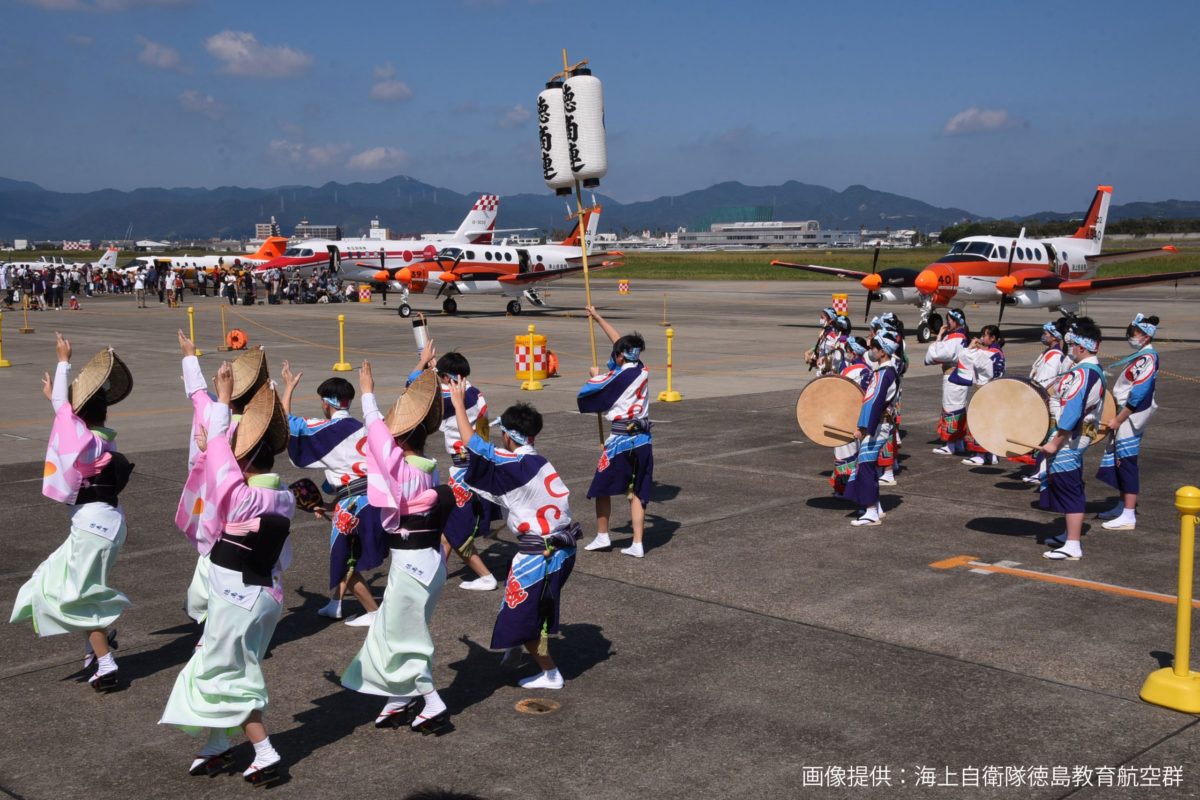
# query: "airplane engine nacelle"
383,276
1035,298
447,277
1028,279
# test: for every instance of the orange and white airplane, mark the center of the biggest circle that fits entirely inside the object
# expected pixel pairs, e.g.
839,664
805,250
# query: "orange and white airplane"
514,272
273,247
360,259
1056,273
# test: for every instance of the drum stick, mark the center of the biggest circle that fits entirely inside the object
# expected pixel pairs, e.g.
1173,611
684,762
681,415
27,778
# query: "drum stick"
1023,444
839,431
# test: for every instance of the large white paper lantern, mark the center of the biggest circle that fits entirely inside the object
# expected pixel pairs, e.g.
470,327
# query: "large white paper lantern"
552,131
583,102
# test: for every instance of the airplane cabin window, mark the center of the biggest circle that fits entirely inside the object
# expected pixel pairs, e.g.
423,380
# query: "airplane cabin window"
487,254
471,254
508,256
306,253
539,258
1003,251
1037,251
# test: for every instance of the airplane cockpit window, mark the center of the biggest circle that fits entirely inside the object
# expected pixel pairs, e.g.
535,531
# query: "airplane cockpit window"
959,247
305,253
1003,251
979,248
292,252
450,252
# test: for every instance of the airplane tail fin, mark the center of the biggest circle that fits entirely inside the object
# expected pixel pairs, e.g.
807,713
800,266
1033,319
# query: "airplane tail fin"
592,216
1093,224
480,221
273,247
109,259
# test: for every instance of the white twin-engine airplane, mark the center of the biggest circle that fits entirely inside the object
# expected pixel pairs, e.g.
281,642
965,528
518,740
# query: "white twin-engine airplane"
498,269
106,261
360,259
1055,273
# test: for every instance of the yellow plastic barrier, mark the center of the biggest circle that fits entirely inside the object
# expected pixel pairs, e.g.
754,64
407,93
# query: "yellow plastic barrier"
529,354
192,328
841,304
670,395
4,362
364,294
1178,687
342,364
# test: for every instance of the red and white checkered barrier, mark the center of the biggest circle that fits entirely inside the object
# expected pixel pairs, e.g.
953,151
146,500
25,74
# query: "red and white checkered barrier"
81,244
521,356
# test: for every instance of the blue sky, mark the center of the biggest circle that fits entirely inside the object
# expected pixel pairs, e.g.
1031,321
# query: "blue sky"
999,108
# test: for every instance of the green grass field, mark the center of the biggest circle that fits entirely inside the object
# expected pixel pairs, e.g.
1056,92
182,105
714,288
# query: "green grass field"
755,265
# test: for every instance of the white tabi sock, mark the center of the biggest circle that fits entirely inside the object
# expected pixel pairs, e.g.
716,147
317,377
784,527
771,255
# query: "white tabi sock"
106,664
264,756
1072,547
394,704
433,707
878,510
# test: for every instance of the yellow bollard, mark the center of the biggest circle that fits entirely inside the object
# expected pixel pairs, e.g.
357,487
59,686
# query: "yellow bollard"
192,328
4,362
1178,687
670,395
532,384
25,306
342,365
224,345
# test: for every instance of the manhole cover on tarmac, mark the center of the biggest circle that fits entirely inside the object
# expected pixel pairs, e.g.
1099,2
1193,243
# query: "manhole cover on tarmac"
536,705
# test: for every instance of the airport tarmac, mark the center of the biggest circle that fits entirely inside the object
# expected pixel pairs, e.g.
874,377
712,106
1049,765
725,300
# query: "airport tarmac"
762,648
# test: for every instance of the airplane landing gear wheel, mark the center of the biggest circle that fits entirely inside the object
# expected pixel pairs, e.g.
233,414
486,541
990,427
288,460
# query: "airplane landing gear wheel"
449,306
404,310
514,308
924,334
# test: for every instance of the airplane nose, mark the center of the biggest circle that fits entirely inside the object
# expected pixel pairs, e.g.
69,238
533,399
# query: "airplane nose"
872,283
1006,284
404,275
926,282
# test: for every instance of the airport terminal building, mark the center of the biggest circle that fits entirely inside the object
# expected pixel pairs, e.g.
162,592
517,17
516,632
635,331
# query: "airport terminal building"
773,235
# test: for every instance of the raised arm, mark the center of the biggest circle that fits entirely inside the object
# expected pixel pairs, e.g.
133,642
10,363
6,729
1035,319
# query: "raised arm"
608,329
290,382
61,390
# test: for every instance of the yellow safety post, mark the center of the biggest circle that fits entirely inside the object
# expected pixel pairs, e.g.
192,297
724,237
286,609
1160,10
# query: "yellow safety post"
25,305
670,395
192,328
224,345
664,322
342,365
1178,687
531,384
4,362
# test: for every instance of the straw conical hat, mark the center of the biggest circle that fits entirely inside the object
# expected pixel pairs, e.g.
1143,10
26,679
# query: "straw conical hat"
249,372
105,371
262,419
416,406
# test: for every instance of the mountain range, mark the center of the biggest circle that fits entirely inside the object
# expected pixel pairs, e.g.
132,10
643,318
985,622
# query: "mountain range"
407,205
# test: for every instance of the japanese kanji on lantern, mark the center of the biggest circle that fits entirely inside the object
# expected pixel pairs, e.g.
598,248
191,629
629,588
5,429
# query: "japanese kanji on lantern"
552,133
583,103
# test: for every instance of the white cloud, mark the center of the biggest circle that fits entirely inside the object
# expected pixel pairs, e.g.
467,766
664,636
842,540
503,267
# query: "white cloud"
387,88
242,54
159,56
80,40
196,102
981,120
104,5
515,117
378,158
301,154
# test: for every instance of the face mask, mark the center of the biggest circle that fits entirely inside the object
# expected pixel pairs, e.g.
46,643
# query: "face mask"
1134,343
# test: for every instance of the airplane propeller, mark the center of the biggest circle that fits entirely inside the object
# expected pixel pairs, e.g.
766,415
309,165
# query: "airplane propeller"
870,295
1012,252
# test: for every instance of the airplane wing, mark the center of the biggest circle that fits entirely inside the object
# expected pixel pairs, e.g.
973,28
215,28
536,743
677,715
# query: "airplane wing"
1131,255
579,259
551,274
839,272
1124,281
